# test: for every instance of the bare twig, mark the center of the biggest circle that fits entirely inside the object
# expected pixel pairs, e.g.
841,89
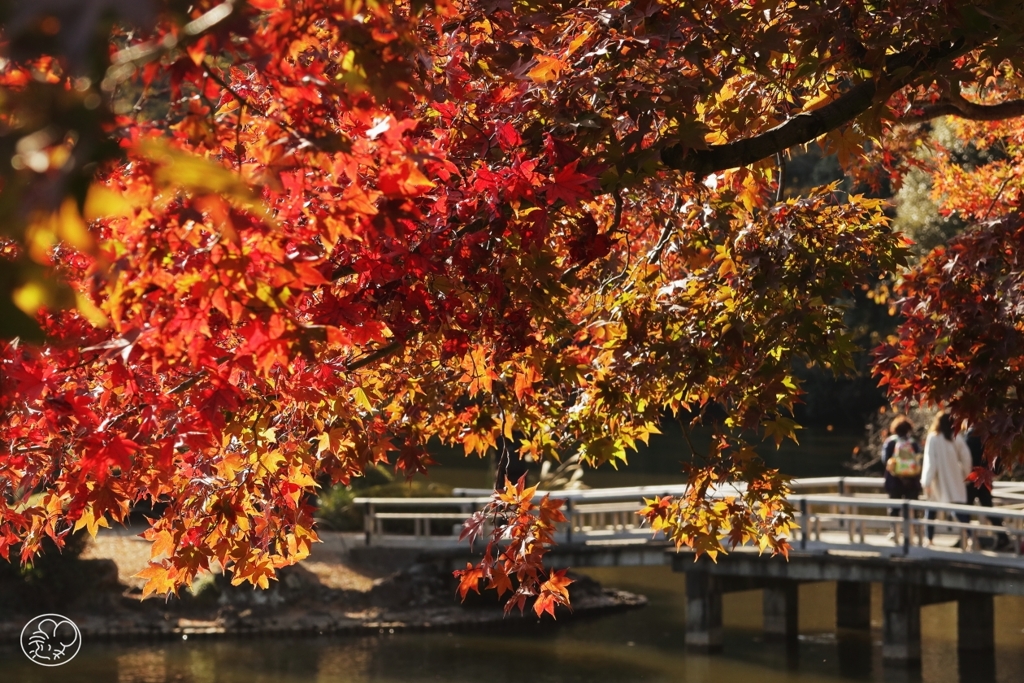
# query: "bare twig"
780,190
616,221
689,440
655,254
1002,187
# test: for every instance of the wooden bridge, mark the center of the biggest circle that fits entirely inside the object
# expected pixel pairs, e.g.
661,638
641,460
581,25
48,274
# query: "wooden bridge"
850,532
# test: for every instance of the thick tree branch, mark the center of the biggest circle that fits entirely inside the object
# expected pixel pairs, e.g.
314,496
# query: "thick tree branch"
796,131
803,128
958,106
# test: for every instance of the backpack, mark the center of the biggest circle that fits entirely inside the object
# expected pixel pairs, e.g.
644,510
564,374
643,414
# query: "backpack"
904,462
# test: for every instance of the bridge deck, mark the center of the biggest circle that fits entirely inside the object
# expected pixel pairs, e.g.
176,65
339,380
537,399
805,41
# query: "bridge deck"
835,542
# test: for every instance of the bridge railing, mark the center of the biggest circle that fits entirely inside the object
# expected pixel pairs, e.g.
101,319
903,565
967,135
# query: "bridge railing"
829,510
846,520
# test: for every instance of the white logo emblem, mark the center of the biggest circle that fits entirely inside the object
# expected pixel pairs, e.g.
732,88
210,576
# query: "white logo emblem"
50,640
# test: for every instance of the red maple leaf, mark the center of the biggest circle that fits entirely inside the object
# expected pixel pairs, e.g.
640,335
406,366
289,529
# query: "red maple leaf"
981,476
570,186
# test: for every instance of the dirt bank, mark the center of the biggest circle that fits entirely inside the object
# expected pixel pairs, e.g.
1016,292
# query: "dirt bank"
333,591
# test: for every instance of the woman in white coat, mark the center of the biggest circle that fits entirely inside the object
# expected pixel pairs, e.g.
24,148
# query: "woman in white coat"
947,462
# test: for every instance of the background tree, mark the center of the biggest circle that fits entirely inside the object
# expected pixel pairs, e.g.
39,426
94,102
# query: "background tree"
960,342
305,238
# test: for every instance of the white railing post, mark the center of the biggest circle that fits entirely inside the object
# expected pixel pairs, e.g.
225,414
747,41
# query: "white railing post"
570,519
804,521
841,491
368,522
906,526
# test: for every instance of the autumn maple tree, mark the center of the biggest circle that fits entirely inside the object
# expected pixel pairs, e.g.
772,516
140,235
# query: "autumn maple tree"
961,342
253,246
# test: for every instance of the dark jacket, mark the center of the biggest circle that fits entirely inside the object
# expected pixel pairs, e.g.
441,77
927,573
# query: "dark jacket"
977,448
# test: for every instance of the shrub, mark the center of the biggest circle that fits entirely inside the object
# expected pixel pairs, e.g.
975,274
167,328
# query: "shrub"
338,513
53,579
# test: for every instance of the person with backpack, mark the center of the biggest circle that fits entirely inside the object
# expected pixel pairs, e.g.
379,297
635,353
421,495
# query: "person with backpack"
901,458
947,462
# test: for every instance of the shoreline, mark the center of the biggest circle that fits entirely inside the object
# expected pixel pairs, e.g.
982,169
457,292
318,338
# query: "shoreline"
94,627
335,592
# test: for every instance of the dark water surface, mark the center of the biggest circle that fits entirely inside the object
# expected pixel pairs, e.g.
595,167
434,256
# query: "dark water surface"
642,645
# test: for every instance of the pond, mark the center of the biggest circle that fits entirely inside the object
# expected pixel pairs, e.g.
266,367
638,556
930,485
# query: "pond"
641,645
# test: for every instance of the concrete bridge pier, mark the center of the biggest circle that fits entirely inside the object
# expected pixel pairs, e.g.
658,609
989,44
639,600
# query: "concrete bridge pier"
975,623
704,591
902,602
901,625
781,603
703,612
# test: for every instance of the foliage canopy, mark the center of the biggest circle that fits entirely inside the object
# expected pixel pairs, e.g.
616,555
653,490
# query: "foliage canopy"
254,245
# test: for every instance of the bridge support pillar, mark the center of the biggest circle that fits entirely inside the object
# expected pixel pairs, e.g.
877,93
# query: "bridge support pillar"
901,633
781,603
853,604
975,617
703,612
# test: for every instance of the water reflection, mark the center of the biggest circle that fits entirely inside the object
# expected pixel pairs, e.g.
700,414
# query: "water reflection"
854,654
142,666
644,645
977,667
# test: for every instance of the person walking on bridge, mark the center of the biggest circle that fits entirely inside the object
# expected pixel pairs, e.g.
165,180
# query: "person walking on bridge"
901,459
980,492
947,462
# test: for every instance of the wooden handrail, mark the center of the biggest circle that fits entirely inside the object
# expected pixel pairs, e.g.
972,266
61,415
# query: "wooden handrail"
429,502
596,513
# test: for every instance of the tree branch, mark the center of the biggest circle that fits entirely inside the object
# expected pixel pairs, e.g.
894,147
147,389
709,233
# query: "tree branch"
124,62
781,189
796,131
374,356
958,106
804,127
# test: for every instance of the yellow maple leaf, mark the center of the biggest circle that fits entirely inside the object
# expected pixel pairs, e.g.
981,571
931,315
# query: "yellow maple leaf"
89,521
159,579
547,69
163,545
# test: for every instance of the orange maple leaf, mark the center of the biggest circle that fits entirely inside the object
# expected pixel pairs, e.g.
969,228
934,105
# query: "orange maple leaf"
159,579
469,579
